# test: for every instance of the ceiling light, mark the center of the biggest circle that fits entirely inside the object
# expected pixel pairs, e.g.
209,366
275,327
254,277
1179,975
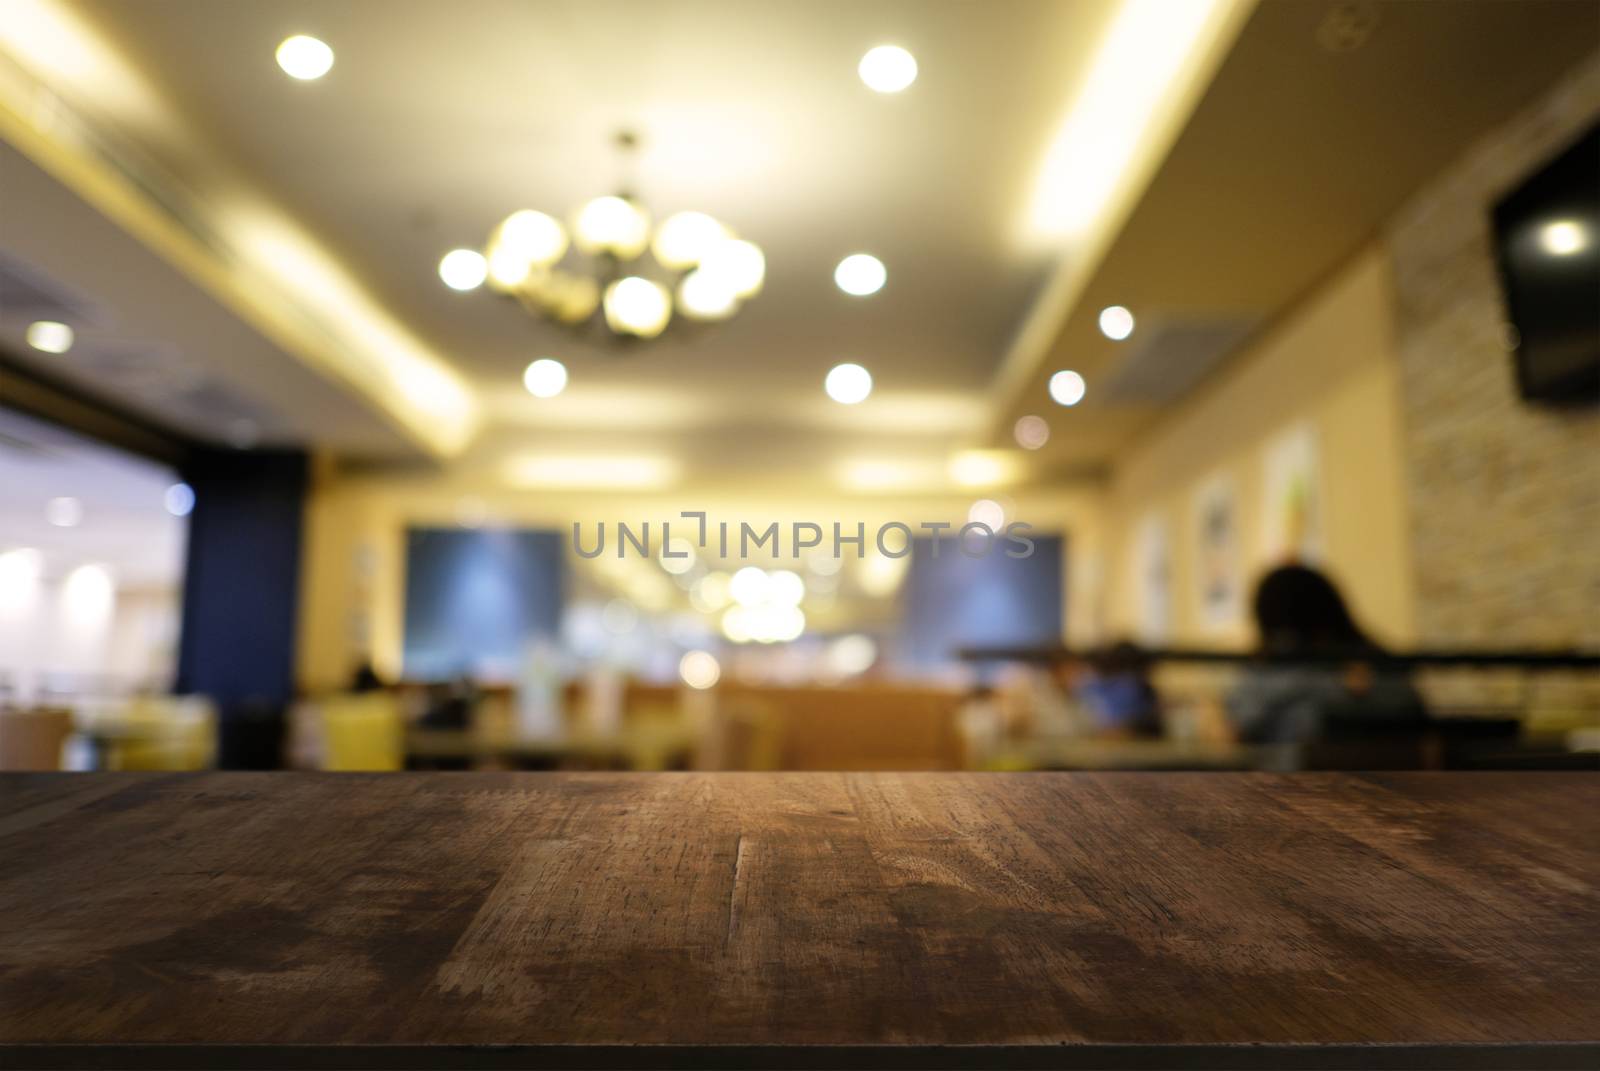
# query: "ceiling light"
710,593
888,68
64,512
545,378
531,236
848,384
696,257
1151,53
987,512
305,58
785,587
1563,238
860,274
1067,388
684,239
1031,432
677,558
612,225
1116,322
984,468
699,669
87,596
637,306
749,586
47,336
19,579
736,264
463,269
179,500
705,297
566,471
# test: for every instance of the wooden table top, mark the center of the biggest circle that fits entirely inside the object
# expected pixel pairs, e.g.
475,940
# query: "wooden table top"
800,920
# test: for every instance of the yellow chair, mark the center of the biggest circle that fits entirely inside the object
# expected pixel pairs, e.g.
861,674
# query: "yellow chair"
164,733
363,732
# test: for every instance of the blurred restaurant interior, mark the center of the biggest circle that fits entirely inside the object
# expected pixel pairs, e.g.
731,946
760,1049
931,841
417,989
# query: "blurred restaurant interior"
1104,384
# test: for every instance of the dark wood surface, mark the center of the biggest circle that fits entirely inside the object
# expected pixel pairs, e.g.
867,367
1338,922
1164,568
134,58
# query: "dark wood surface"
869,920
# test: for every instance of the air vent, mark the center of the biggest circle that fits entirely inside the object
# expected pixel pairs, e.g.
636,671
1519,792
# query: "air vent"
1168,359
27,294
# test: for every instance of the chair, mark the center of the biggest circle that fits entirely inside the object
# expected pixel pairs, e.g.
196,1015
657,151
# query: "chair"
32,739
165,733
362,732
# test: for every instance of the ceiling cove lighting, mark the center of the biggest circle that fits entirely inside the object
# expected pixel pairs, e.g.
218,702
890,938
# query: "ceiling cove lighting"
305,58
591,473
1116,322
860,274
888,69
1067,387
984,468
595,277
545,378
848,384
1142,63
47,336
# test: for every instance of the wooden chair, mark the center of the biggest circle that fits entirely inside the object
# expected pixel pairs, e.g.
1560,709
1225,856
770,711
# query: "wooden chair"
32,739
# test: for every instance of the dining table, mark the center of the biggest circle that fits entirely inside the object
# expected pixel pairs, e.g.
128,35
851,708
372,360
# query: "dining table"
1073,920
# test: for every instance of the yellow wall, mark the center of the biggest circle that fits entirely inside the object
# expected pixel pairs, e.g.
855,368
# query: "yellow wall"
353,573
1330,362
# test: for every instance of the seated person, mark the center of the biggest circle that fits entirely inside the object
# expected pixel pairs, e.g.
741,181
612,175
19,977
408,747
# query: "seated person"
1300,613
1117,693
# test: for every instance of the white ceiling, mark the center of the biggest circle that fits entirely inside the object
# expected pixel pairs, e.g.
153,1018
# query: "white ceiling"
438,120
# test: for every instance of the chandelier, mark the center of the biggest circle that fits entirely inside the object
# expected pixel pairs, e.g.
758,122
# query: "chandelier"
598,273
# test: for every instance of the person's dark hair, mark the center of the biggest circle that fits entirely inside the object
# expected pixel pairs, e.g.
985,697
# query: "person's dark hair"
1299,610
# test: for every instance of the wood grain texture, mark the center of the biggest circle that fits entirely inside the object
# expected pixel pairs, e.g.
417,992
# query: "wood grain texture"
1105,920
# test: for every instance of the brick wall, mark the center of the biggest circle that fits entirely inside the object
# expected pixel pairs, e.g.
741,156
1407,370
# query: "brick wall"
1504,496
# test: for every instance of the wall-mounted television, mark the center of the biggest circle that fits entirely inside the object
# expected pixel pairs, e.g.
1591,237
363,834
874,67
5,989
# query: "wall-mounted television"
1547,234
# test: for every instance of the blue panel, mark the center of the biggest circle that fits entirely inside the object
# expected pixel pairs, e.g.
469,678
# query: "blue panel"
242,576
953,601
475,600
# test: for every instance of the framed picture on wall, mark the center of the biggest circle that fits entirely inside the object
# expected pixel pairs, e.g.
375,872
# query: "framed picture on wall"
1152,579
1291,502
1219,558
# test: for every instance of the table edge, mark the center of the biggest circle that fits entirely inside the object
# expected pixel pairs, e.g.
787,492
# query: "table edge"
1077,1056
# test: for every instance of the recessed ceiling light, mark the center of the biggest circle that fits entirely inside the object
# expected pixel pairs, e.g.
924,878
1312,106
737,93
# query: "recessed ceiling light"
988,512
64,512
860,274
848,384
1116,322
888,68
545,378
1067,388
179,500
463,269
48,336
305,58
1031,432
1563,238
